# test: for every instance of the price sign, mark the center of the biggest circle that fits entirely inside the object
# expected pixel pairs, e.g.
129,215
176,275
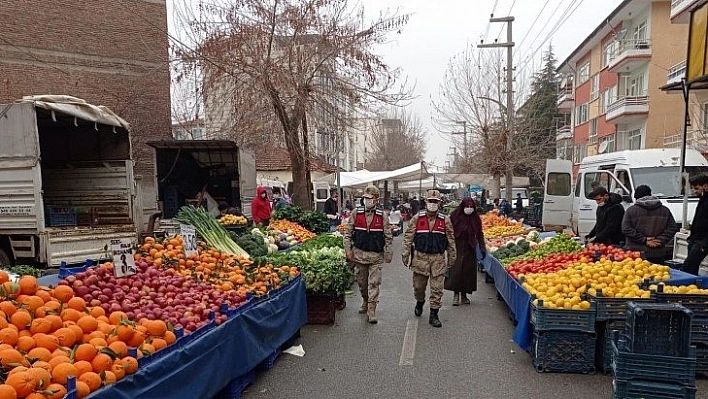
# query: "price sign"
123,257
189,239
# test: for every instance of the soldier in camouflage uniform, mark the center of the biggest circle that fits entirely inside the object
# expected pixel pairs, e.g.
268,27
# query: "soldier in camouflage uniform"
428,237
367,241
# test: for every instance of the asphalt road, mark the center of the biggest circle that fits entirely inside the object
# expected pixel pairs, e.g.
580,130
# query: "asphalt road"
471,356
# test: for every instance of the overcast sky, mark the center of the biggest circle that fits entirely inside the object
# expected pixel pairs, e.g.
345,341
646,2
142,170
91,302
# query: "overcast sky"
439,29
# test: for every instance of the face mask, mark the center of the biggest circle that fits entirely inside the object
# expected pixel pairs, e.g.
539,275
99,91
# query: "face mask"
431,207
276,196
368,203
468,211
600,204
264,195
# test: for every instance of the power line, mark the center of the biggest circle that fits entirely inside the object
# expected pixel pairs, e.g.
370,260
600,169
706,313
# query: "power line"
561,21
508,13
532,25
522,56
489,24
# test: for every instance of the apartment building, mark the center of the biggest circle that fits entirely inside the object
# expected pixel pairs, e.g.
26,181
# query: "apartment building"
682,12
610,92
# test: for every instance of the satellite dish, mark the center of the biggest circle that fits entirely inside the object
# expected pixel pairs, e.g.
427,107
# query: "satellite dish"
621,34
602,148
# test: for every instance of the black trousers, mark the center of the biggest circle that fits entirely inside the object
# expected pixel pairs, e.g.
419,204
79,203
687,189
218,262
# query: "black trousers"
697,251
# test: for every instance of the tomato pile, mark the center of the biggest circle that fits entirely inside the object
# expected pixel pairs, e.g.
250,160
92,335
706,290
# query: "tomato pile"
560,261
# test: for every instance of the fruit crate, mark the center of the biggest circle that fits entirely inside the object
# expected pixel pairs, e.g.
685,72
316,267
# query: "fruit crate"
236,387
61,216
605,333
563,351
321,309
638,366
610,308
698,304
269,362
544,319
702,359
66,271
657,329
699,330
638,389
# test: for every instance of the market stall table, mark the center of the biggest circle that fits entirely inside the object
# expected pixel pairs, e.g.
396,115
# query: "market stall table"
519,300
201,367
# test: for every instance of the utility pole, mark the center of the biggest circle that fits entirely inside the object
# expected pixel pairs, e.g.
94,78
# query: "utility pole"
509,94
464,138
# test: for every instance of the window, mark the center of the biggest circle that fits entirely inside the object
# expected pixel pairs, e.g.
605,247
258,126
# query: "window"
629,140
558,184
578,186
609,51
197,133
580,153
704,109
322,193
610,140
594,86
593,131
581,115
595,179
639,33
635,85
583,73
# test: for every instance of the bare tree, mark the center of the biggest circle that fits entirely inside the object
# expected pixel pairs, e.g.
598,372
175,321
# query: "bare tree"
398,140
283,69
471,94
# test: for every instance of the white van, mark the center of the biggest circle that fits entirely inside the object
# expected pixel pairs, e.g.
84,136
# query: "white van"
514,191
619,172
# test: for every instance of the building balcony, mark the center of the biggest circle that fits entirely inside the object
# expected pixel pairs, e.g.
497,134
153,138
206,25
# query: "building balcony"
564,132
629,55
696,139
628,109
680,11
676,72
565,100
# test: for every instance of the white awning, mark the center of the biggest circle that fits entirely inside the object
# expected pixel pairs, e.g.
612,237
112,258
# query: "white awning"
361,178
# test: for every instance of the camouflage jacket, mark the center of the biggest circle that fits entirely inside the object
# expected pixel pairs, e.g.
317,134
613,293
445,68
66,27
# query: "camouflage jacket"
428,264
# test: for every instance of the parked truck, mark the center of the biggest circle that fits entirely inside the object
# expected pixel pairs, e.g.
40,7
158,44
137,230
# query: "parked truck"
206,172
66,181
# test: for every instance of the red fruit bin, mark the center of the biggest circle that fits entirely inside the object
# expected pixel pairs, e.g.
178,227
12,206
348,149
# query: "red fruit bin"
321,309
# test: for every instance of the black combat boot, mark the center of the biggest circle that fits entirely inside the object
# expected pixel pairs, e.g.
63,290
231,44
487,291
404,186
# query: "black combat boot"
419,308
434,321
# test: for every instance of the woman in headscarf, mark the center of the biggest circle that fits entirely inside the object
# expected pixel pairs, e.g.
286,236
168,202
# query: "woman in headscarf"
468,234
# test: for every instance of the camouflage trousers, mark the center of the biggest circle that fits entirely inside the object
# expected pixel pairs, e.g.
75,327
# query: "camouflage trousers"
437,283
368,278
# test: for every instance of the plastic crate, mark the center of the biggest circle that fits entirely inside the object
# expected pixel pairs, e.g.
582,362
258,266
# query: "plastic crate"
269,362
321,309
637,389
610,308
698,304
702,359
658,329
631,366
236,387
340,302
699,330
545,319
604,343
563,351
61,216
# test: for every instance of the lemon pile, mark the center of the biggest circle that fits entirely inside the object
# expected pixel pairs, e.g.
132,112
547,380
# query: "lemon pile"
681,289
617,279
230,220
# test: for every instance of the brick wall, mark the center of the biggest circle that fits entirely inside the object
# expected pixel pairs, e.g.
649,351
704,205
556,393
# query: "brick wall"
108,52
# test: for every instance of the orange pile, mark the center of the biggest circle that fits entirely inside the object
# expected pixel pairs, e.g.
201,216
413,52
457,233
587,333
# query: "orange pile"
492,219
224,272
48,335
286,226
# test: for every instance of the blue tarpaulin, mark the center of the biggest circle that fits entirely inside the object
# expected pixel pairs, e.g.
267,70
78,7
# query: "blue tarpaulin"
202,367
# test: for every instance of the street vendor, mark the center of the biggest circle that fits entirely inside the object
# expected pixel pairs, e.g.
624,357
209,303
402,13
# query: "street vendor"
428,238
367,241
